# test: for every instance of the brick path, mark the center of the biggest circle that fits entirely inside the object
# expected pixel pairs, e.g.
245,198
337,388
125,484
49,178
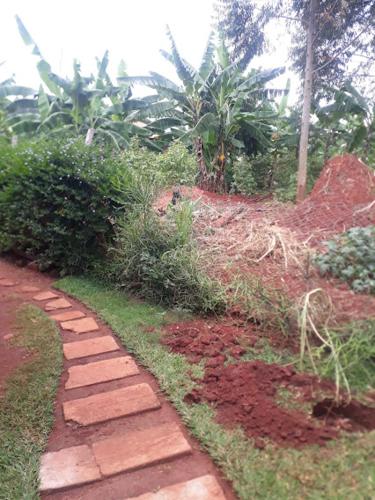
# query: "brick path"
93,358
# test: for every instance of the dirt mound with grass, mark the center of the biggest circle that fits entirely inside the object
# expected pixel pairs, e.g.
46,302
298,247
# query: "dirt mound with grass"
269,401
343,197
248,394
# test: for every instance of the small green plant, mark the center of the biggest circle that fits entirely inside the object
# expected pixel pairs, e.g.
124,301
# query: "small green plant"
354,344
344,353
351,257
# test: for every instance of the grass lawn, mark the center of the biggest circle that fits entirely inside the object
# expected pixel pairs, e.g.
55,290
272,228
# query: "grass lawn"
26,407
343,469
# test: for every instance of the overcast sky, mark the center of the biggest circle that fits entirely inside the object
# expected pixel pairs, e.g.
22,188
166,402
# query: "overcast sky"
133,30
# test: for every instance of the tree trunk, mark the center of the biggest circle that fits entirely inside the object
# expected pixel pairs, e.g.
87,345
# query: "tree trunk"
202,177
307,93
89,136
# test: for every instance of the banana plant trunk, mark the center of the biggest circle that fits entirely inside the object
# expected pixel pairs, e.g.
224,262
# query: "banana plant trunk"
203,174
89,136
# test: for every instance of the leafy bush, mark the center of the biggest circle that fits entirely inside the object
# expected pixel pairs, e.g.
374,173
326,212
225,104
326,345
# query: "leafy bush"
243,177
58,203
157,260
174,166
351,257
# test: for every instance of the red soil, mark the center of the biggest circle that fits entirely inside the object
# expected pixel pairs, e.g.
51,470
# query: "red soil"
246,394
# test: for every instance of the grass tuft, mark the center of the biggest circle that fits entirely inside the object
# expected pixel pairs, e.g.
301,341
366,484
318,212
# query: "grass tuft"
26,407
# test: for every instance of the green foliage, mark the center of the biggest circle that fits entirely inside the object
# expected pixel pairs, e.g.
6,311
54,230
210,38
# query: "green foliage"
158,260
351,257
58,203
243,176
172,167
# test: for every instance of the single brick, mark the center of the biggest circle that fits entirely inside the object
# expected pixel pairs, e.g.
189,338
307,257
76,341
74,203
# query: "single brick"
83,325
68,467
101,371
57,304
138,449
200,488
29,289
68,315
45,296
6,282
90,347
112,404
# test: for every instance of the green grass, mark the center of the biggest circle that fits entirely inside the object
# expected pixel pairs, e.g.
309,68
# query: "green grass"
343,469
26,407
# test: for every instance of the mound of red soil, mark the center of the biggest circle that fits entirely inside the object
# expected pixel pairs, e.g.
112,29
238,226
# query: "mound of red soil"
340,199
200,339
246,394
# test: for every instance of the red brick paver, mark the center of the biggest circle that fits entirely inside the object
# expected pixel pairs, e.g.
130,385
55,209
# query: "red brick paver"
6,282
29,289
83,325
45,296
57,304
68,467
68,315
112,404
101,371
200,488
140,448
90,347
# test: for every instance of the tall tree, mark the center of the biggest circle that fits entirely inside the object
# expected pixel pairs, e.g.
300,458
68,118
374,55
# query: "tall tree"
341,48
307,93
242,24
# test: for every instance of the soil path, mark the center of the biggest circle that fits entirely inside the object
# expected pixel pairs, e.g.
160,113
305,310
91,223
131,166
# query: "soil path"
115,436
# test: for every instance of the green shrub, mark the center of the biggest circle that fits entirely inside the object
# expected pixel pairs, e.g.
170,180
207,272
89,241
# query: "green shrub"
351,257
243,176
58,203
174,166
157,260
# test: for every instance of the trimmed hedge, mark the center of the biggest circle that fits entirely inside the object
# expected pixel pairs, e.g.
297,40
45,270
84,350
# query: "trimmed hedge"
57,203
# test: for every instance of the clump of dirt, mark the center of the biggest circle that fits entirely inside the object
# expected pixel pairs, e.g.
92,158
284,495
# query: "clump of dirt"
341,198
202,339
245,394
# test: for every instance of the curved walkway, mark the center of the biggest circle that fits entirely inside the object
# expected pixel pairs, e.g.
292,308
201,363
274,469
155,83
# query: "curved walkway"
115,435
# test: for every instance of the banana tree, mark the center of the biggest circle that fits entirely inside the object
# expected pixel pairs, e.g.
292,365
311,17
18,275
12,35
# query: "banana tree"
216,108
84,106
346,124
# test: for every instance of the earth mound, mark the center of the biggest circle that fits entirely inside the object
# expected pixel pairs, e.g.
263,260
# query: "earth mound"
343,197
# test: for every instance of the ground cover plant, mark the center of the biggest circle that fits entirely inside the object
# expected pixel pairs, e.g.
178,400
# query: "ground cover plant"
350,256
26,406
340,469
